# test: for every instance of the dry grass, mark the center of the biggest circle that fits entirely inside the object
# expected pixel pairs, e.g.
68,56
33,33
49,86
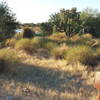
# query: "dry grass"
58,37
59,52
39,77
81,53
88,36
10,42
48,79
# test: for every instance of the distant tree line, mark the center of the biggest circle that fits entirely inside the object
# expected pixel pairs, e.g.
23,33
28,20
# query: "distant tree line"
73,22
69,21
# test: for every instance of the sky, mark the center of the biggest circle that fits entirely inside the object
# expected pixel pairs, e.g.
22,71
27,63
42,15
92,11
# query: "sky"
36,11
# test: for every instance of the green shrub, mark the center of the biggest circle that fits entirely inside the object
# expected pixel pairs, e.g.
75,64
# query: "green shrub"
82,54
24,44
8,57
28,33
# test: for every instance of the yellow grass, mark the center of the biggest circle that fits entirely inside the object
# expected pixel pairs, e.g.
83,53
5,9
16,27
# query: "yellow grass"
48,79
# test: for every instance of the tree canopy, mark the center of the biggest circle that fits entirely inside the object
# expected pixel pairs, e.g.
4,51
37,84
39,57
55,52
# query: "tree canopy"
72,21
7,21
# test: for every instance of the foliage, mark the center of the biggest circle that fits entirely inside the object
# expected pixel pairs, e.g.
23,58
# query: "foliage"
54,29
50,45
7,58
67,21
82,54
35,43
90,21
28,33
98,53
24,44
7,21
46,28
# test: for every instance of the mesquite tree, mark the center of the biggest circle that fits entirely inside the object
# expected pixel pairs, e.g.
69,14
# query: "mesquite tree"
7,21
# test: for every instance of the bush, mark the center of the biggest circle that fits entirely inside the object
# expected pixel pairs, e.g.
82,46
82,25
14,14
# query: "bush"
35,42
82,54
8,57
28,33
24,44
59,52
77,40
43,42
50,45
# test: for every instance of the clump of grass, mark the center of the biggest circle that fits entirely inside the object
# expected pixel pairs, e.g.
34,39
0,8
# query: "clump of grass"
50,45
24,44
58,36
59,52
35,42
10,42
75,38
31,45
98,53
8,57
80,40
82,53
88,36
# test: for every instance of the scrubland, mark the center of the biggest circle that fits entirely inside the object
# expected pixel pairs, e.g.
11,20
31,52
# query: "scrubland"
49,68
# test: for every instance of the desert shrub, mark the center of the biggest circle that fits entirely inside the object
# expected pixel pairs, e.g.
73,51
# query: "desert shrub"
8,57
59,52
88,36
35,42
98,53
83,54
10,42
75,38
50,45
79,40
40,42
24,44
58,36
31,45
84,41
43,42
96,43
28,33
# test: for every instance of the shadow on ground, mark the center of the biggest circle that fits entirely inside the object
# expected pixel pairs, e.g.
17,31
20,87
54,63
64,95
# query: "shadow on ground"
48,78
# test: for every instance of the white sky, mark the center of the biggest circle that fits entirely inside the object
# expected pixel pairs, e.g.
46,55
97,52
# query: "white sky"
28,11
39,10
